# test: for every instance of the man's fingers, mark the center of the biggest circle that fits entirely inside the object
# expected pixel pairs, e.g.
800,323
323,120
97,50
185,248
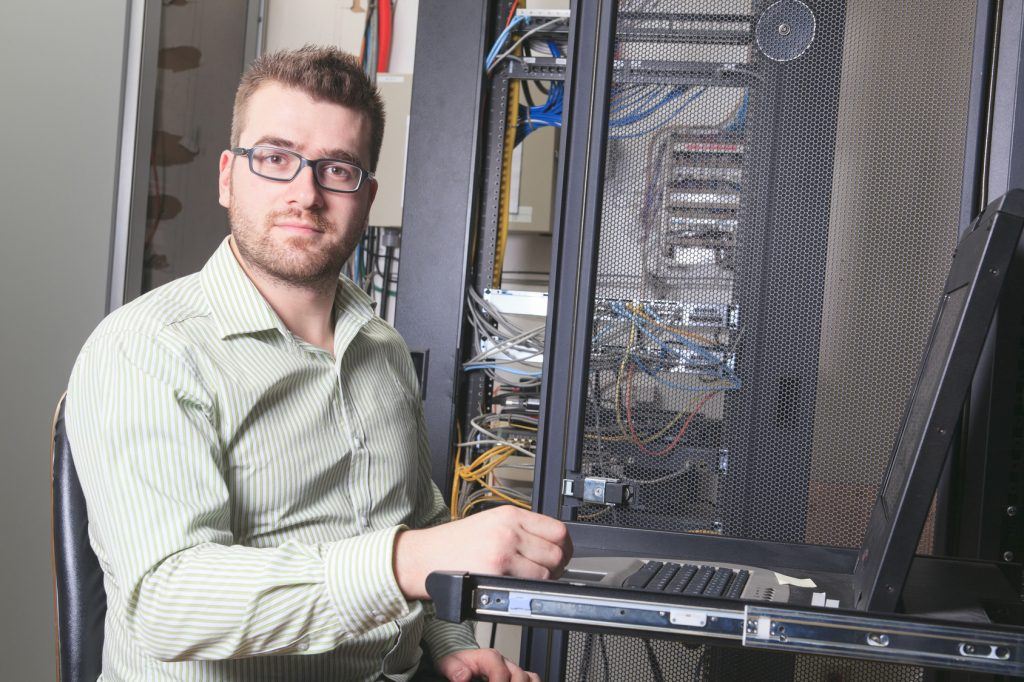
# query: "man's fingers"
491,664
554,532
543,552
517,674
546,527
521,567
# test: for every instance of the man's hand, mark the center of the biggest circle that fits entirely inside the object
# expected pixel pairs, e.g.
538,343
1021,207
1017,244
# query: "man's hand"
463,666
502,541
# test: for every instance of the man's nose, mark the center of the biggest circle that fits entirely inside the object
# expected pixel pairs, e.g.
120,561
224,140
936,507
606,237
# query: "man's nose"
304,191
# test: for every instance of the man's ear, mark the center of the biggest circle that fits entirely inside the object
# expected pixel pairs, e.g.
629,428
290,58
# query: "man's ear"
224,179
373,195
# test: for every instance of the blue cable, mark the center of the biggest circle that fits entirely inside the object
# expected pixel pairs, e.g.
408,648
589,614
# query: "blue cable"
693,389
601,332
642,114
701,351
500,42
549,113
690,100
624,97
643,327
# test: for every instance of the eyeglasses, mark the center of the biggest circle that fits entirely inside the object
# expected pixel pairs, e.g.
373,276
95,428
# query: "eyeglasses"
282,165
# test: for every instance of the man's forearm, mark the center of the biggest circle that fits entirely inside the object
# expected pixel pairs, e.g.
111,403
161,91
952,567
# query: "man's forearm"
214,601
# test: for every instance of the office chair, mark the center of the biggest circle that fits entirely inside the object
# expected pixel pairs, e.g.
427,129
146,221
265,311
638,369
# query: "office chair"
81,602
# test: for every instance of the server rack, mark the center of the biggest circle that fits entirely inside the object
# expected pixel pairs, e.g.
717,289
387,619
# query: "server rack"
788,160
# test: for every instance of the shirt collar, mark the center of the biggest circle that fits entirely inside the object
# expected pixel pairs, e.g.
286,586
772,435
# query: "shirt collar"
239,308
237,305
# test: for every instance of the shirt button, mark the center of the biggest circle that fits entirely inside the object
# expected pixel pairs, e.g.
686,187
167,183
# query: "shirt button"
303,645
364,522
357,442
380,619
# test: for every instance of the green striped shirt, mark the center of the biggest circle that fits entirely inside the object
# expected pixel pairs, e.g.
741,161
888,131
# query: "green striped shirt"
244,488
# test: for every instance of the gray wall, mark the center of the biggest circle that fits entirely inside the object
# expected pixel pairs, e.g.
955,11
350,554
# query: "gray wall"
60,76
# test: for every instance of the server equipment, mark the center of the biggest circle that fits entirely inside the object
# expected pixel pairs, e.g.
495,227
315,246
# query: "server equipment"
756,205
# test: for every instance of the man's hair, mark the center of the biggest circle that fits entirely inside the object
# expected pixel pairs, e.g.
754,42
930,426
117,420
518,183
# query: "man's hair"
325,74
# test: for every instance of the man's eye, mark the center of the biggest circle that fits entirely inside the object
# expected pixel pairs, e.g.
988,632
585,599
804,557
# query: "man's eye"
273,159
338,171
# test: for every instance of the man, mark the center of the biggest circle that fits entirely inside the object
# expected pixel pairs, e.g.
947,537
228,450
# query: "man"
249,438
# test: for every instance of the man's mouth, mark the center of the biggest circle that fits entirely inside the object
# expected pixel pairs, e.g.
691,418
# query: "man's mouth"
298,227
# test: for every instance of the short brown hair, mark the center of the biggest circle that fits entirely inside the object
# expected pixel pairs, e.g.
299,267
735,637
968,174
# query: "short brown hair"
324,73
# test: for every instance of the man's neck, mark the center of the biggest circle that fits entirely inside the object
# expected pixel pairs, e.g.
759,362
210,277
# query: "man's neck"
306,312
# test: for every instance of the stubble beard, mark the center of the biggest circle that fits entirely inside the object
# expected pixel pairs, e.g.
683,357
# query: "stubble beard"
298,262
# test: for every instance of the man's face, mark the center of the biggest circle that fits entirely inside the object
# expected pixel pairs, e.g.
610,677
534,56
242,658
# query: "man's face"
295,232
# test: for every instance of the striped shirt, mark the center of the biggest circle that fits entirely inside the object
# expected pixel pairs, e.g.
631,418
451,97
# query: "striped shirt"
244,488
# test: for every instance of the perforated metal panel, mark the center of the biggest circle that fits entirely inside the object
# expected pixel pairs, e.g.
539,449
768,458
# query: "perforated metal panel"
781,198
594,658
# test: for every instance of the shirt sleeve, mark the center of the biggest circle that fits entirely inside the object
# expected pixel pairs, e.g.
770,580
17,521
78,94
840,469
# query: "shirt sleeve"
143,430
440,637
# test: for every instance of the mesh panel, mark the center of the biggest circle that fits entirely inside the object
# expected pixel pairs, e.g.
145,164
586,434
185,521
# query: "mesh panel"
594,658
781,197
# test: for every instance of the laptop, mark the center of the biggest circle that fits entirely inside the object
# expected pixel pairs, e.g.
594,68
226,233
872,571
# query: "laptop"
965,311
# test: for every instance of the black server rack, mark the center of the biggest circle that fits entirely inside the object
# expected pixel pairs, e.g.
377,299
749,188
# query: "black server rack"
756,205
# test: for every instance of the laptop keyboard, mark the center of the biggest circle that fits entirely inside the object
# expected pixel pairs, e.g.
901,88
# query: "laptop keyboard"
705,581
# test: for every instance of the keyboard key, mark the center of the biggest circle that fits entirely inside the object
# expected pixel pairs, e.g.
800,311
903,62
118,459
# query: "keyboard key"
660,581
735,589
700,580
643,575
716,586
682,579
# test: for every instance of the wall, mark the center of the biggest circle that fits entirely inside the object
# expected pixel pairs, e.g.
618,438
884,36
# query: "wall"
201,57
60,112
292,23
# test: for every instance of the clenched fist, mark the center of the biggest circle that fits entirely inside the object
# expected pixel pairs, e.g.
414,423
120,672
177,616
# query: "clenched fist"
501,541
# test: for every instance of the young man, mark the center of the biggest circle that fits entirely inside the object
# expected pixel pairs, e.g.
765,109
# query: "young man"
250,441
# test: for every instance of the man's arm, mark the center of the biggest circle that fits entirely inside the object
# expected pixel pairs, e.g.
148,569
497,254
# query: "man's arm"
502,541
151,465
440,637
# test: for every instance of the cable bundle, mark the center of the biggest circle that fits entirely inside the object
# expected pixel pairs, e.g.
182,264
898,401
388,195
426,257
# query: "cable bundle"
476,479
503,344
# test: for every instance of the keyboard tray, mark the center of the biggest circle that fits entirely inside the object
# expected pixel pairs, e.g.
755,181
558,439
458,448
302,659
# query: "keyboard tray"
982,647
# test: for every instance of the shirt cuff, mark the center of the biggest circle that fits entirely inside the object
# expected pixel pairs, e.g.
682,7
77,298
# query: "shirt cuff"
361,581
443,638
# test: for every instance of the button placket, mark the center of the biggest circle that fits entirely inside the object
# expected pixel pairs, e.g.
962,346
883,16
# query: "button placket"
360,456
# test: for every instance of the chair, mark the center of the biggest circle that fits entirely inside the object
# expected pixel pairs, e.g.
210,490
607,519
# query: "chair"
81,602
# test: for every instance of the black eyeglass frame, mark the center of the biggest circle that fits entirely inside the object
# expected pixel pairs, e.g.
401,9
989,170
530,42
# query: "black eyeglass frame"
303,162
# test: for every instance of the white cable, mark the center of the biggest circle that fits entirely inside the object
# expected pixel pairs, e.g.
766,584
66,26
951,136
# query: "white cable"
506,53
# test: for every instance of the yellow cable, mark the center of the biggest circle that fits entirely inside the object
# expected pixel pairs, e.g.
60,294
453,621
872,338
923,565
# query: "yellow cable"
453,504
486,463
618,376
492,498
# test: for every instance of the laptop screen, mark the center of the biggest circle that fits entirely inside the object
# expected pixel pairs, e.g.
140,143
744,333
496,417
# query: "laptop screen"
932,372
965,312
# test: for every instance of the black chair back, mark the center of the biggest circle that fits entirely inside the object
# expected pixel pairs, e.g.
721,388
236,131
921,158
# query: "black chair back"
81,599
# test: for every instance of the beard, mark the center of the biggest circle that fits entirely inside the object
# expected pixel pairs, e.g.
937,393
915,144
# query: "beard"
313,262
